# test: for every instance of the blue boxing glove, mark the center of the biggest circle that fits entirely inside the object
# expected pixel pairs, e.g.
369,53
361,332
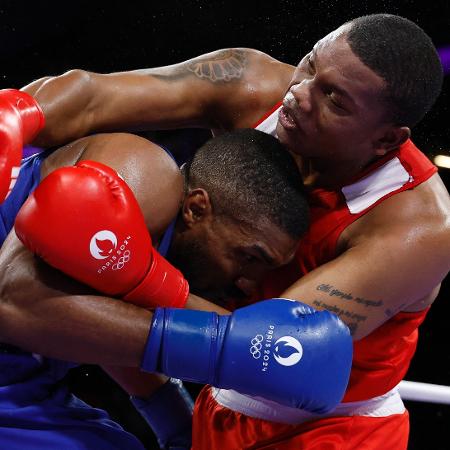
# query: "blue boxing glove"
278,349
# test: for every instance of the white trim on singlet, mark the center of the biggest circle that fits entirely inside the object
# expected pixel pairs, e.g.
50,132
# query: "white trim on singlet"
387,178
269,124
259,408
359,196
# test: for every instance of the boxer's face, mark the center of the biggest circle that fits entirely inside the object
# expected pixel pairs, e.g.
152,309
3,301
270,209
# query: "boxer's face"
333,107
223,259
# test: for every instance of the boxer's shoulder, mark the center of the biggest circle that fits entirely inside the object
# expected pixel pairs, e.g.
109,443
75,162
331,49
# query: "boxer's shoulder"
413,224
148,169
426,204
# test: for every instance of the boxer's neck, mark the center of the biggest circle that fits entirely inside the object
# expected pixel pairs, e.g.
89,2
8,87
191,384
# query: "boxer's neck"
326,174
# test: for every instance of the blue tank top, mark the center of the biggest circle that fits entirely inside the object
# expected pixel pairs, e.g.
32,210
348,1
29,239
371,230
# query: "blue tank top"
36,409
29,177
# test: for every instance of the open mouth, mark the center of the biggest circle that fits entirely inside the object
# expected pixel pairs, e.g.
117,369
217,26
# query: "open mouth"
288,115
286,120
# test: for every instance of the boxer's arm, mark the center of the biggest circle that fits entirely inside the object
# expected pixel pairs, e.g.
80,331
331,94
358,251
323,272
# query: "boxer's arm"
396,255
223,89
43,311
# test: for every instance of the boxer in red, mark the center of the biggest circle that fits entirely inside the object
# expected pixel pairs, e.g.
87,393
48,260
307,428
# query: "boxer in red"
379,208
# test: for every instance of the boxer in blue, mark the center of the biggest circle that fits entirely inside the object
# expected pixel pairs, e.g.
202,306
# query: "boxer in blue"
46,313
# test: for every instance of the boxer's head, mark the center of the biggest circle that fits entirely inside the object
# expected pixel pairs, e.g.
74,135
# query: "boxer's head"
243,214
358,92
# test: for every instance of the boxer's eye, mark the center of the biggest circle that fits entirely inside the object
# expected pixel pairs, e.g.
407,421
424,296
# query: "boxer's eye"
249,258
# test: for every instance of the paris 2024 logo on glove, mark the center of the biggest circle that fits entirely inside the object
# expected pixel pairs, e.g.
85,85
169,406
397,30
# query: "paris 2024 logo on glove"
287,343
104,245
287,350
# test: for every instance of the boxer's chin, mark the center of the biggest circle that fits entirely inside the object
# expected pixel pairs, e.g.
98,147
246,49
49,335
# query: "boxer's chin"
289,139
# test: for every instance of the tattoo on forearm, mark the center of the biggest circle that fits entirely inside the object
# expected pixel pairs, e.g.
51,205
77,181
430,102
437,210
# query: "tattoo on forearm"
342,313
334,292
351,318
224,66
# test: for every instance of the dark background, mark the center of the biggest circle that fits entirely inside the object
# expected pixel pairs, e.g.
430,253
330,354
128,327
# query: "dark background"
48,38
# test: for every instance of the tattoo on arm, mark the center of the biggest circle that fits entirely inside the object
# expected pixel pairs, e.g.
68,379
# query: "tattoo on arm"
223,66
352,319
342,313
334,292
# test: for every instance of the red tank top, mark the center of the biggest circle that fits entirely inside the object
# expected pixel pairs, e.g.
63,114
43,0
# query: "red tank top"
382,358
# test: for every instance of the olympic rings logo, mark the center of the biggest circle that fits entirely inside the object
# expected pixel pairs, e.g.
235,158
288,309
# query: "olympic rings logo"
256,347
122,260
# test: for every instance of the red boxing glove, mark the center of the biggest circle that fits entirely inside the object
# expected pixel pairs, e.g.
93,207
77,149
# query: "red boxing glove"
21,118
85,221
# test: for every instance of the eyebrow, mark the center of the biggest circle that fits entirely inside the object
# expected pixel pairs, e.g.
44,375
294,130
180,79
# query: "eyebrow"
343,93
338,90
263,254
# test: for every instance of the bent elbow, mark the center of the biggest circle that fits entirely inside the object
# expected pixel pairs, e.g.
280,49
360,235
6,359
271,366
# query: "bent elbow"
66,101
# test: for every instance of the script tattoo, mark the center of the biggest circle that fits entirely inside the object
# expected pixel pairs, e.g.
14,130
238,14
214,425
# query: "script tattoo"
352,319
334,292
224,66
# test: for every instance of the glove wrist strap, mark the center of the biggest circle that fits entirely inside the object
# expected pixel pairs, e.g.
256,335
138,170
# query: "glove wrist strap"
163,286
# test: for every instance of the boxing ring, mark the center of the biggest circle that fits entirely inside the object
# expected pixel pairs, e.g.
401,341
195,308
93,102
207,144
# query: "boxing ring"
424,392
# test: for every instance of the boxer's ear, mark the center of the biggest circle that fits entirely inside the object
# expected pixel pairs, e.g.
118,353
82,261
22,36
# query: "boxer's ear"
196,207
391,139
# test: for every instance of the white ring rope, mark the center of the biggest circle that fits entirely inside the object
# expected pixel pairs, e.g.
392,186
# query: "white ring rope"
424,392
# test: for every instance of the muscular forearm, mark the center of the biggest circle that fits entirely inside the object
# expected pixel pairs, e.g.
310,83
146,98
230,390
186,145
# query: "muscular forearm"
183,95
85,329
82,328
